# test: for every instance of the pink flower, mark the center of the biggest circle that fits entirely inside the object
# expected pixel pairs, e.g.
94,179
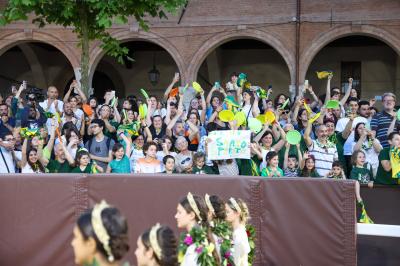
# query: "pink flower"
199,249
188,240
227,255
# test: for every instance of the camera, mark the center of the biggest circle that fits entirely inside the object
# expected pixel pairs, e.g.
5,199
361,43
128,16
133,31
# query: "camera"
34,94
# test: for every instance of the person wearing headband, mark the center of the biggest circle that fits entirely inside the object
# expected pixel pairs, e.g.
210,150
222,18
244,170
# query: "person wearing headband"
100,236
157,247
237,215
221,229
191,215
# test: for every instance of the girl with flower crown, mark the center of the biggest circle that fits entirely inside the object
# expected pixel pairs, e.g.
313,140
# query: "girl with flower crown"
196,246
237,215
100,237
157,247
221,229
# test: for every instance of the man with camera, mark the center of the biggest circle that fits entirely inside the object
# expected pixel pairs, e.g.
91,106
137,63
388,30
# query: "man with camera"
32,115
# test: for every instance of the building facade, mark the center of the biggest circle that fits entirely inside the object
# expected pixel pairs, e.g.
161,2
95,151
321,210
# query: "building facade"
278,43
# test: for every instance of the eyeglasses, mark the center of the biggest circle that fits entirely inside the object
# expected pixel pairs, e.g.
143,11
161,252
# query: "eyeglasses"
388,101
11,139
285,112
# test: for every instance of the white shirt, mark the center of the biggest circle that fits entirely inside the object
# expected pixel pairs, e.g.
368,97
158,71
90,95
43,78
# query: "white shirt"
241,247
371,156
78,113
162,112
191,256
135,155
8,161
248,110
52,108
342,122
323,157
264,153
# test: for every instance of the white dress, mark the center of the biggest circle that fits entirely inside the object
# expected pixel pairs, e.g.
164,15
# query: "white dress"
241,247
191,256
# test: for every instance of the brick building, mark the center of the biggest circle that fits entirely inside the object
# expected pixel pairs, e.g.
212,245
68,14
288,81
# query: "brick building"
281,43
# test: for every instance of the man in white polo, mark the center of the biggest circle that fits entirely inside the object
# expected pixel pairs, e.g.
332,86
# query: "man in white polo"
324,151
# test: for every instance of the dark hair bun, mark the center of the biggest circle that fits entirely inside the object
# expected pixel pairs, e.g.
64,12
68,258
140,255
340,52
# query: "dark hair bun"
219,207
117,229
169,246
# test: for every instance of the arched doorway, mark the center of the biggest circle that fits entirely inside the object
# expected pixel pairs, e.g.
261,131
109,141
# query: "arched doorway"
129,77
374,65
39,63
261,62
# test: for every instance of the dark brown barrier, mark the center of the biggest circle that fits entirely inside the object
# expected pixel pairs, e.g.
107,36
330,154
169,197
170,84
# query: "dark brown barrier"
299,222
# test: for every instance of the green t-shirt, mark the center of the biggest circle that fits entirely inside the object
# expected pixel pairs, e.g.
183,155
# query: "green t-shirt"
268,172
54,166
122,166
313,173
205,170
88,169
384,177
108,133
249,167
362,174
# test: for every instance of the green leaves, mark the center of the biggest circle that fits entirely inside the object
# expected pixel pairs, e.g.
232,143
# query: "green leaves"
90,19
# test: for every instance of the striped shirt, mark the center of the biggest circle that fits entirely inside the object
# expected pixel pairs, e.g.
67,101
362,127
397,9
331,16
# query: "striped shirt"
380,123
324,157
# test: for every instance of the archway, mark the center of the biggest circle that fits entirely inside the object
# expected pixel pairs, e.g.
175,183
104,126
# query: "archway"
263,64
372,63
30,61
133,75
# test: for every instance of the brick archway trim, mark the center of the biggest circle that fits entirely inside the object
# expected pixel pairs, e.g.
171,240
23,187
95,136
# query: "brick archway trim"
220,38
319,42
11,39
125,35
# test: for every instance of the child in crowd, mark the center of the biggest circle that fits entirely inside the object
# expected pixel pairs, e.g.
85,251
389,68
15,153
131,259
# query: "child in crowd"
83,164
395,157
272,169
121,163
149,164
199,166
337,171
169,164
307,166
362,171
290,164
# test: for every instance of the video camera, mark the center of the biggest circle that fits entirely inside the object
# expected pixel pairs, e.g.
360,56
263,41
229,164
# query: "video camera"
34,94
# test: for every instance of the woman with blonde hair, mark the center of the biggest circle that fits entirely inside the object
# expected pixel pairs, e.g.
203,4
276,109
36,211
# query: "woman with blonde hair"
237,214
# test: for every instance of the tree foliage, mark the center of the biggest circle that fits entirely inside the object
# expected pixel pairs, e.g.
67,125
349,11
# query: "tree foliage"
89,19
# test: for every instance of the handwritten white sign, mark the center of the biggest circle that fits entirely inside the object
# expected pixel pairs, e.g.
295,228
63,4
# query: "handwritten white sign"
229,144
